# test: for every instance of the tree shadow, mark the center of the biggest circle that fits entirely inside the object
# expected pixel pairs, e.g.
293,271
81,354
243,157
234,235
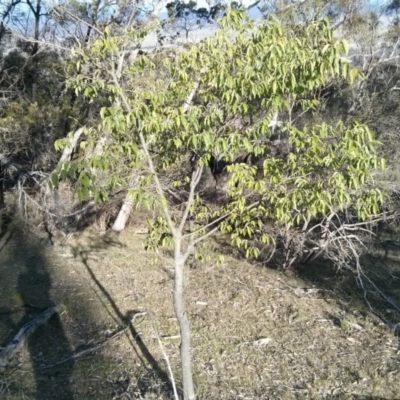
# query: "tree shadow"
149,363
374,288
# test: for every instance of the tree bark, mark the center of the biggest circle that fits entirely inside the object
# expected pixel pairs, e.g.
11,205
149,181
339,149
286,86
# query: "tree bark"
36,13
126,208
186,365
67,153
93,19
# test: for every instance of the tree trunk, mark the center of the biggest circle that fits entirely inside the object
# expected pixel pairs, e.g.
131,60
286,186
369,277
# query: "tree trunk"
36,13
67,153
98,149
187,378
93,19
125,210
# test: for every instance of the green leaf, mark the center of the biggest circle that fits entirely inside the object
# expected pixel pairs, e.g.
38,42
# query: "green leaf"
345,46
353,74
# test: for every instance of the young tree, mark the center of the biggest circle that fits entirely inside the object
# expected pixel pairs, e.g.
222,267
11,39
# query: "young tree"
221,97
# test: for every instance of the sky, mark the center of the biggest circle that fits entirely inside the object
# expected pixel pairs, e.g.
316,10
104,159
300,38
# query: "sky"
209,29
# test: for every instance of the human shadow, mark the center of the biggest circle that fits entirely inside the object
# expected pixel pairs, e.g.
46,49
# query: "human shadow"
24,271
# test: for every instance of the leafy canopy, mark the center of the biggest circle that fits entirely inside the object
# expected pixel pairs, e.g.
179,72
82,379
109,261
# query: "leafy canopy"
244,75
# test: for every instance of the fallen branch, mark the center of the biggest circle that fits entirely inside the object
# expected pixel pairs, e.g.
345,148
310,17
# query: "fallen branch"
16,343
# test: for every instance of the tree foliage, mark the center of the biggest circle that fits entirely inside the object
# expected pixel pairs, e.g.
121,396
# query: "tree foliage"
247,76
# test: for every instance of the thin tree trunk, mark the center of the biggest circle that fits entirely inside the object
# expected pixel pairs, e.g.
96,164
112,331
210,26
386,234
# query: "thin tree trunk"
179,259
93,19
186,365
35,8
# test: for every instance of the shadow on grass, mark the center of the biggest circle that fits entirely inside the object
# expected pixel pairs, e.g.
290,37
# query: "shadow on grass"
147,360
377,290
31,283
24,273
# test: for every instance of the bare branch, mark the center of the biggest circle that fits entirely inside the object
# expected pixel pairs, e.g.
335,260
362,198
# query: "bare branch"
196,175
74,17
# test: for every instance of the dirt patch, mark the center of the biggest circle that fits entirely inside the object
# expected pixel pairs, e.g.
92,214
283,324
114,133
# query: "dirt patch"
257,334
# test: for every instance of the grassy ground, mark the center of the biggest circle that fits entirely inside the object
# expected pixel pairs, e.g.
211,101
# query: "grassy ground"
257,334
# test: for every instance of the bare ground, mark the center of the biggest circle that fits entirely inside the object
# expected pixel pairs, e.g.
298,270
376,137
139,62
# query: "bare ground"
257,334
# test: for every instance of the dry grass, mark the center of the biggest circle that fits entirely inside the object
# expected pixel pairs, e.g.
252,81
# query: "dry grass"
257,334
